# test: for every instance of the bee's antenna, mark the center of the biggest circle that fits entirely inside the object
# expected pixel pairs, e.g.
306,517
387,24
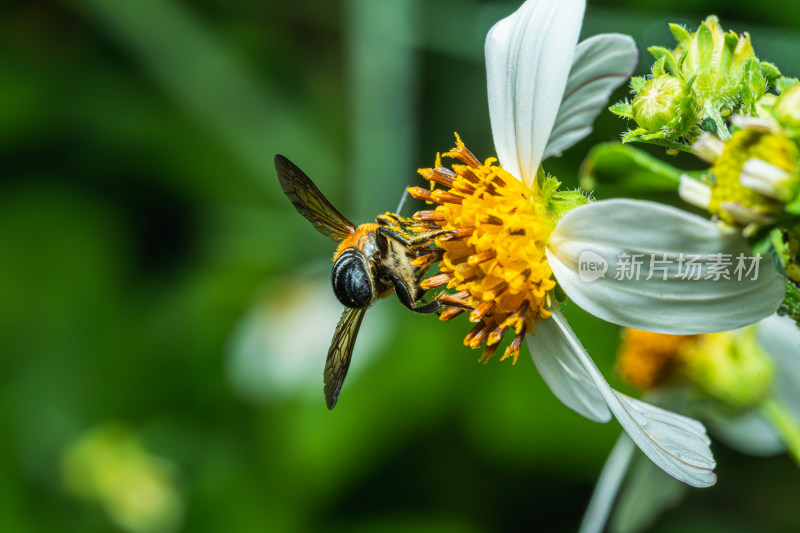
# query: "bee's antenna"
402,201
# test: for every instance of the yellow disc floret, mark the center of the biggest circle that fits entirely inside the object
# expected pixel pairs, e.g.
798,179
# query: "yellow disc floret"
495,258
646,359
725,176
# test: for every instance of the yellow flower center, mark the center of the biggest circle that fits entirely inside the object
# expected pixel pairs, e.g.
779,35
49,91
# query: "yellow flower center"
725,174
729,367
495,258
646,359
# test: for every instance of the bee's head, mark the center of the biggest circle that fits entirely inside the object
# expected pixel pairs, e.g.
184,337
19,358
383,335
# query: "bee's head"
352,279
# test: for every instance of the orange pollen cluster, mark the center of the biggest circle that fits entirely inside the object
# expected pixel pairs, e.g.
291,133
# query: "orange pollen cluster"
494,260
646,360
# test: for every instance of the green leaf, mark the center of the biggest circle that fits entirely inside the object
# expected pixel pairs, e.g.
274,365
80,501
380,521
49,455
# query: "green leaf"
626,167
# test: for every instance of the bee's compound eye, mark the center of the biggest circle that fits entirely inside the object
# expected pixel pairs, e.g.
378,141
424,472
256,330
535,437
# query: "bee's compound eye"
352,283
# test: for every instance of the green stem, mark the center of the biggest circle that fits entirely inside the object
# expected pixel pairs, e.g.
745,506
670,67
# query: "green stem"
786,425
668,144
722,128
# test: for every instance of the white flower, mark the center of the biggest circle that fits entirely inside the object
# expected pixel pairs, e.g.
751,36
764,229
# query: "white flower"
544,93
648,493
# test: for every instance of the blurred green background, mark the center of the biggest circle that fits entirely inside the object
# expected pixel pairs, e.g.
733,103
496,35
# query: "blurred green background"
165,312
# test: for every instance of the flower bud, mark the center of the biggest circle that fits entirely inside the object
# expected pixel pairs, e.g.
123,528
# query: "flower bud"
730,368
787,109
658,102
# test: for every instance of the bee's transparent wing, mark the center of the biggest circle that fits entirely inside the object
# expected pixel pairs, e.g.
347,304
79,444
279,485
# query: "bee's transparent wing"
340,352
310,202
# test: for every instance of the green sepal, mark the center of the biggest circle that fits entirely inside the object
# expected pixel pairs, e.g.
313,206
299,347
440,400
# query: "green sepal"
541,178
632,135
753,87
658,52
791,302
562,202
731,42
622,109
658,67
783,83
770,71
637,82
704,45
681,35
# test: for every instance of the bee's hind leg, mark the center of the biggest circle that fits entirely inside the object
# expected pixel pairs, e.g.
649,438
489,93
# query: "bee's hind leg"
404,295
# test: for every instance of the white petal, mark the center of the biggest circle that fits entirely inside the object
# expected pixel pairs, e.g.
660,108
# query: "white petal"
767,179
780,337
749,433
694,192
615,230
647,494
756,123
675,443
605,492
528,56
600,65
708,147
561,368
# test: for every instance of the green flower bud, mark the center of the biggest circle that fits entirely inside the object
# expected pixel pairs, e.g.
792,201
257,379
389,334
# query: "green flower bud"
787,109
658,103
715,59
730,368
695,88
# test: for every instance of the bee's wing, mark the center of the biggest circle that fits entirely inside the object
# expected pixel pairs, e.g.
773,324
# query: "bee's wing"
310,203
340,352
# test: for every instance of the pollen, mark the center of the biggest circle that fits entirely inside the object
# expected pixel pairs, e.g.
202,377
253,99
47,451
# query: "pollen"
646,360
494,260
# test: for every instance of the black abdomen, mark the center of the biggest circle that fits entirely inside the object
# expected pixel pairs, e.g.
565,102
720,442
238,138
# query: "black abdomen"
352,282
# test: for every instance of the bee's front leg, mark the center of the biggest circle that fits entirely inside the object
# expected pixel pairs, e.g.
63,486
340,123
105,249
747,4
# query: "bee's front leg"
411,239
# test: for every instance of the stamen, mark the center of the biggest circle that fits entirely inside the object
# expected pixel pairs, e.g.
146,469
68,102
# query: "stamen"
513,349
459,234
450,312
488,352
480,337
441,196
482,257
435,281
438,176
429,216
479,312
497,334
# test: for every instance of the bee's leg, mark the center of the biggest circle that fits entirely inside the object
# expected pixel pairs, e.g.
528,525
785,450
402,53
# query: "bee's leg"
434,257
412,239
405,296
403,292
428,308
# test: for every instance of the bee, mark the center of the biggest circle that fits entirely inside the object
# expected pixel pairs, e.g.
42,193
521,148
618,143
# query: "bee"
372,261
